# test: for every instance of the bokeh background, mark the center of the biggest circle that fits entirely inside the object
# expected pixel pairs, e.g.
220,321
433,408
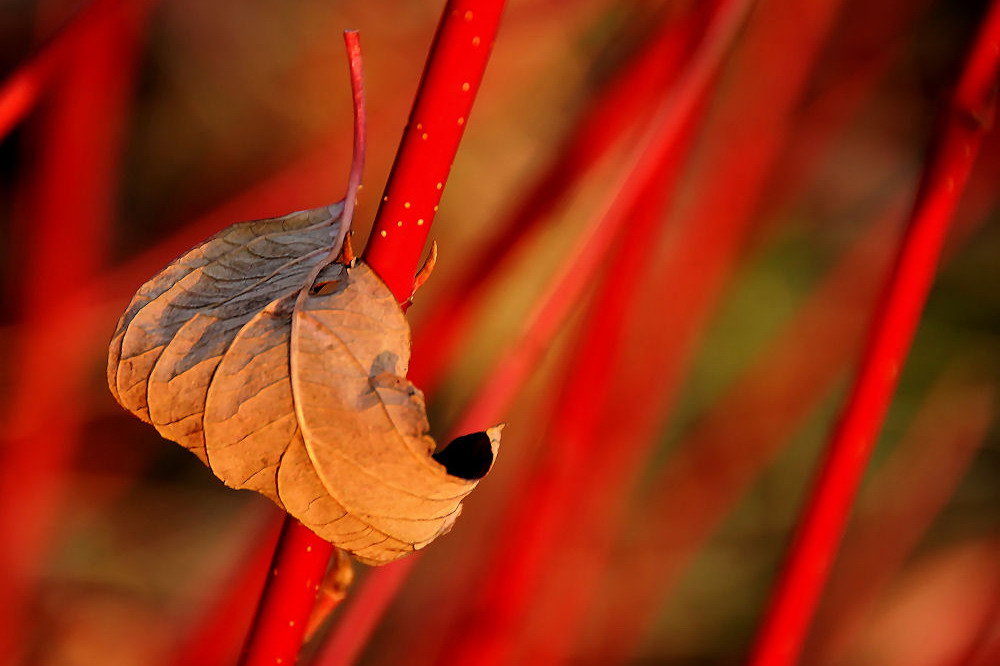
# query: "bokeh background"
171,119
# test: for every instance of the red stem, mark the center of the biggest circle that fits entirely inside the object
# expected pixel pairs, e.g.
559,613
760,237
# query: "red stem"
353,42
821,527
910,490
65,210
361,618
451,78
454,70
299,564
726,449
535,522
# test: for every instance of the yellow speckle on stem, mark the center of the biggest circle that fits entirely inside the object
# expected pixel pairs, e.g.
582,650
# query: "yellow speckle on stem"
399,223
424,136
461,121
476,41
420,222
420,126
406,204
435,209
465,87
383,233
440,185
468,15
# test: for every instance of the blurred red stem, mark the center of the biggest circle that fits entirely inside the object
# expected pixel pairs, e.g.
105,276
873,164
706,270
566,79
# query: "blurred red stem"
21,90
66,208
821,527
905,496
633,211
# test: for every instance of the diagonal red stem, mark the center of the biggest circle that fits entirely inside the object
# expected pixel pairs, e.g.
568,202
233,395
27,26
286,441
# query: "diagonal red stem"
21,90
821,527
451,78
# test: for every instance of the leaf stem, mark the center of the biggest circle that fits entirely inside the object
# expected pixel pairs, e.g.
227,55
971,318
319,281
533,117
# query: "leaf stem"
822,524
354,63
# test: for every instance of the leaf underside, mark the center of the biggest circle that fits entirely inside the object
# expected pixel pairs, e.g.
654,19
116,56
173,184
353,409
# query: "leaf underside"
285,373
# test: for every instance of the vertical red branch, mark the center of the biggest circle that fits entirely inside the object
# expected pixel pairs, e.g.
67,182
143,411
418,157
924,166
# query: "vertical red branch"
804,575
67,205
451,78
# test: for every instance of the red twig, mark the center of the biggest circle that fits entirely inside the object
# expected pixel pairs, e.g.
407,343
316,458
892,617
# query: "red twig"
455,67
67,208
297,569
301,557
905,496
451,78
361,617
806,569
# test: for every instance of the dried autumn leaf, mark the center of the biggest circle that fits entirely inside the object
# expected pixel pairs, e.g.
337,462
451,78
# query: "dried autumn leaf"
284,372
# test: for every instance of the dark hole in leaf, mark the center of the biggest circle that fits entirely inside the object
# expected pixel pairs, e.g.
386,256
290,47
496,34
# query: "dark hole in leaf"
467,457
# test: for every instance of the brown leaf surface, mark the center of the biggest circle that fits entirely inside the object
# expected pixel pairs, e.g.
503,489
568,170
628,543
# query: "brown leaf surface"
285,374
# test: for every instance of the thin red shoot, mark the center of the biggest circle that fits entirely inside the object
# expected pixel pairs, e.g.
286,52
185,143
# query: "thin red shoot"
353,42
821,527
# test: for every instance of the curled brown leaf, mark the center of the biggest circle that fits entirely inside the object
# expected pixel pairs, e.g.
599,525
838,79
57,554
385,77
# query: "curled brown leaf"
285,372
